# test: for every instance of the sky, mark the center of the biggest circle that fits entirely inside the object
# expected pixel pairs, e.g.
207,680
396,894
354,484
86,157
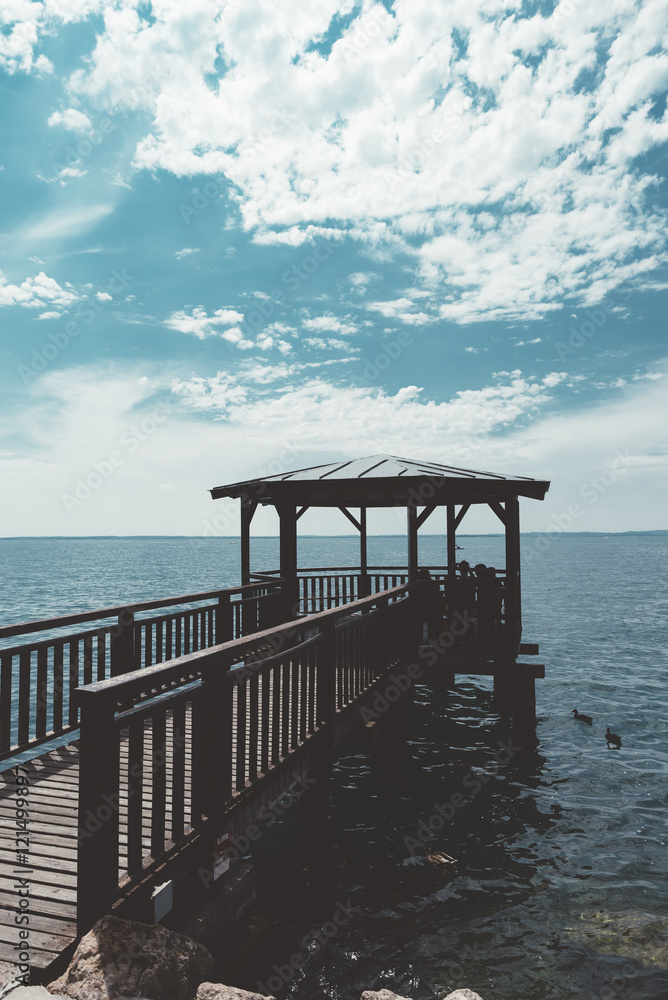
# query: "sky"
239,238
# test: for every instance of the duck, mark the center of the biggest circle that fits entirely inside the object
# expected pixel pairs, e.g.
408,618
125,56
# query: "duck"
582,718
440,858
613,738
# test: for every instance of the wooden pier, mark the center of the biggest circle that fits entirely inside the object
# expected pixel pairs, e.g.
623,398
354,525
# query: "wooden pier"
180,727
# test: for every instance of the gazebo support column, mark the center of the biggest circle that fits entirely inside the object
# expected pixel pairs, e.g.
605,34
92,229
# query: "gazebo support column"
364,564
412,526
361,527
287,514
248,508
451,542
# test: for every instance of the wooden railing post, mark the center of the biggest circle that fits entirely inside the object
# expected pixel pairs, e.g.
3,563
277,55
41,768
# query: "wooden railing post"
97,870
326,683
212,743
224,620
123,644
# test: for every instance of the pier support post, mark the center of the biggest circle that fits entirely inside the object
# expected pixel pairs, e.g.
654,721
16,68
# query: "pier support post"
390,741
315,803
512,600
523,704
502,686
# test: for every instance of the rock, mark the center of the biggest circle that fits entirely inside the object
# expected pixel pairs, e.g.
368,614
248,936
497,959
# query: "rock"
122,958
387,995
381,995
216,991
28,993
8,974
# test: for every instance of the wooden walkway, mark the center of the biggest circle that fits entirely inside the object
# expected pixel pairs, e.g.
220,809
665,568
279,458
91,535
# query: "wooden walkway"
49,842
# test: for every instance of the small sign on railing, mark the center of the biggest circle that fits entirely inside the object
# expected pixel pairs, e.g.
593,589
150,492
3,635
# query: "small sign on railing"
221,857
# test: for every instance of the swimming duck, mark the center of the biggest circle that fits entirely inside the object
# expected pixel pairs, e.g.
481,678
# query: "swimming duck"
582,718
440,858
613,738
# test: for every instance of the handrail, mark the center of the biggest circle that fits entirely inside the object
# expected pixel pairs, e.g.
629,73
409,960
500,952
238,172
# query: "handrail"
161,672
42,624
225,730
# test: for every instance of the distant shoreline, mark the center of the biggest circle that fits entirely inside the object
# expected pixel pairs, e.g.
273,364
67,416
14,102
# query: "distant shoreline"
222,538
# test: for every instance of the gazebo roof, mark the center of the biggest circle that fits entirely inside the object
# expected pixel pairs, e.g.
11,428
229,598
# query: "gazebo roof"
383,481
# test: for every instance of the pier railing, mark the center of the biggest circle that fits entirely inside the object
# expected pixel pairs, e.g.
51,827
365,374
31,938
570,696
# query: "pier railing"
40,671
43,662
165,750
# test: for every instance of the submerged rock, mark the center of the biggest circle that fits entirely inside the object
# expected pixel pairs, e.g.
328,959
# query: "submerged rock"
28,993
381,995
123,958
463,995
216,991
387,995
640,937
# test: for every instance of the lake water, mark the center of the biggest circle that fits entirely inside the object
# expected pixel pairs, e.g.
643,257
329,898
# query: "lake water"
560,887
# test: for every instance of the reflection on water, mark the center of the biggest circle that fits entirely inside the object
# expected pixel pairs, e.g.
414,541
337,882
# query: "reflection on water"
533,906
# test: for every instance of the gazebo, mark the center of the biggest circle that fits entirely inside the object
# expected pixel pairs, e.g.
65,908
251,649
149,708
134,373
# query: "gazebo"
388,481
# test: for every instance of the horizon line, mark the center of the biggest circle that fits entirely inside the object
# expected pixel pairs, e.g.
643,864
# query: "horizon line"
220,538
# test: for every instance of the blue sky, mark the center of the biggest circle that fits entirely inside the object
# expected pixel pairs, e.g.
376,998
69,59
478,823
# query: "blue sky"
239,238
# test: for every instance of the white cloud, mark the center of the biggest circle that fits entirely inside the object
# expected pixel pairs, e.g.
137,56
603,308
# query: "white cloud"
219,393
360,281
228,428
330,343
510,183
180,254
321,413
331,323
63,223
201,325
401,309
524,343
35,293
103,296
71,119
49,314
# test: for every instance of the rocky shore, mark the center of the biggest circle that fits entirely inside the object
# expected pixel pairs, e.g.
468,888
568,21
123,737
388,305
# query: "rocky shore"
126,960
